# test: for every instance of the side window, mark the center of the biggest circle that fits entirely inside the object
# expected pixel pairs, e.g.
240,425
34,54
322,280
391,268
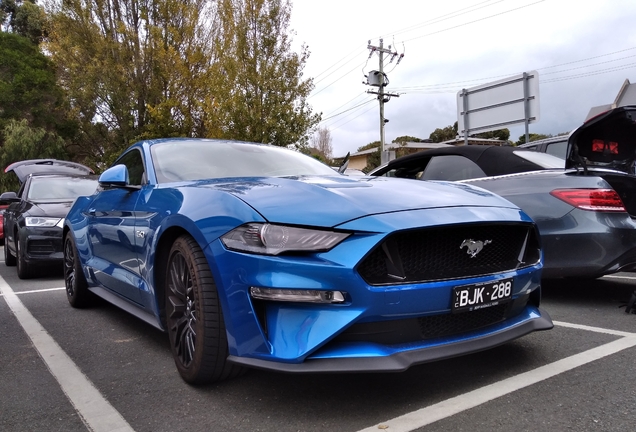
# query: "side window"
135,165
558,149
451,167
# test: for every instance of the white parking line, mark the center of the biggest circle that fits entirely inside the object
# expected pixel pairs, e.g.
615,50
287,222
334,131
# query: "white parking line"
619,277
36,291
425,416
98,415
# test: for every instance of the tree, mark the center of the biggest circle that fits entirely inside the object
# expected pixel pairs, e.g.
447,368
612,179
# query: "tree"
262,94
440,135
28,89
321,140
369,146
500,134
134,68
25,18
406,139
21,141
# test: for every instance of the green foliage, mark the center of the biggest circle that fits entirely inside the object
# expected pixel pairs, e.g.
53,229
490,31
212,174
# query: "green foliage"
21,142
25,18
500,134
28,88
440,135
533,137
262,93
135,69
405,139
369,146
141,69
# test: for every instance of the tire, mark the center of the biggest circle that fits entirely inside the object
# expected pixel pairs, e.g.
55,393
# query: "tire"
25,270
194,317
9,258
77,292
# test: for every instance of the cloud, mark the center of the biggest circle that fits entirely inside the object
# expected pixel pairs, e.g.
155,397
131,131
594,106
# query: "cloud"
583,53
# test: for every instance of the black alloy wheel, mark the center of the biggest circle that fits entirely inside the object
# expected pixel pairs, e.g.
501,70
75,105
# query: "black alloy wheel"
25,270
77,292
198,339
9,258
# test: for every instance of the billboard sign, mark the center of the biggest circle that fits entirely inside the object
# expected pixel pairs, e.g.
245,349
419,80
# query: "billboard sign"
498,104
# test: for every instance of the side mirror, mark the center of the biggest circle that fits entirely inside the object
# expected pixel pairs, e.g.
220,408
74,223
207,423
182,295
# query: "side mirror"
9,197
116,176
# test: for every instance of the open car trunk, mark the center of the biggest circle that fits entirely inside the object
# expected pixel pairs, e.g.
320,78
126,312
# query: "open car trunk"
604,143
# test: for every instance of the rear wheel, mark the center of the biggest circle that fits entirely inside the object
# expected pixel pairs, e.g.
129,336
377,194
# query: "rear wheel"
77,291
9,258
194,317
25,270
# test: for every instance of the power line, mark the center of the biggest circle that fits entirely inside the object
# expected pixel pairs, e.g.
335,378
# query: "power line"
432,21
364,112
475,21
336,115
454,84
349,101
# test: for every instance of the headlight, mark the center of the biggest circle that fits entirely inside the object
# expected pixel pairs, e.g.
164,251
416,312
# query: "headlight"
268,239
42,221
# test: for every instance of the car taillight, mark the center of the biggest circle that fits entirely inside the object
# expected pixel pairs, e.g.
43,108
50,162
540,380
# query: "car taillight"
591,199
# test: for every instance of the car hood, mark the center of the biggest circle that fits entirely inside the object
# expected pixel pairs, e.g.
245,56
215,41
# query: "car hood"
607,140
52,209
330,201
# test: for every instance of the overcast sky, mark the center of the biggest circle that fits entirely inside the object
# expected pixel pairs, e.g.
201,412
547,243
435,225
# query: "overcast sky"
583,52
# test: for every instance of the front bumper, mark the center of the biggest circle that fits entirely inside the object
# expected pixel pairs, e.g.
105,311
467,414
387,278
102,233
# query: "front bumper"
396,359
42,245
336,337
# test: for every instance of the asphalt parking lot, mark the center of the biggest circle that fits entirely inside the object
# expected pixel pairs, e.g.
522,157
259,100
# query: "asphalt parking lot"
101,369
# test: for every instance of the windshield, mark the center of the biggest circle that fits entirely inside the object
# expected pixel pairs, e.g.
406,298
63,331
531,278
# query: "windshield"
205,159
60,188
544,160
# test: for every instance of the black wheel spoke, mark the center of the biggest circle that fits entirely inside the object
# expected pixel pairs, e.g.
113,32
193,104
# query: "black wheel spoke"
69,268
181,307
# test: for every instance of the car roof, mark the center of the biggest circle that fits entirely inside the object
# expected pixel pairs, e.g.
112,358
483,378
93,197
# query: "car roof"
493,160
46,166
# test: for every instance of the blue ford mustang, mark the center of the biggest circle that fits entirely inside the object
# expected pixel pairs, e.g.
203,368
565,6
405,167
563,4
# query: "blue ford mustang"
254,255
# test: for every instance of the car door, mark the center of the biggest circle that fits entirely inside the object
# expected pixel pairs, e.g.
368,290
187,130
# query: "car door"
111,231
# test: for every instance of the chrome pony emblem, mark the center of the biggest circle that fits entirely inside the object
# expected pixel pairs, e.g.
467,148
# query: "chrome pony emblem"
473,247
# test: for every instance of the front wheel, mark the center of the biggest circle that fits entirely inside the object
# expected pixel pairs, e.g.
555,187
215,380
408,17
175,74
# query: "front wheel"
194,317
77,292
25,270
9,258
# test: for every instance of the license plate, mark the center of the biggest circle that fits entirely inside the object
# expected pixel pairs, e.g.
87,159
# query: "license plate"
479,296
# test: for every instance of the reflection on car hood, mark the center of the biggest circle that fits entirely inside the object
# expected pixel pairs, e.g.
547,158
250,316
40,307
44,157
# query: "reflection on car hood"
607,140
55,209
329,201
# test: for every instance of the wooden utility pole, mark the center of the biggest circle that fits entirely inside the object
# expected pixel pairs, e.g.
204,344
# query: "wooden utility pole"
381,83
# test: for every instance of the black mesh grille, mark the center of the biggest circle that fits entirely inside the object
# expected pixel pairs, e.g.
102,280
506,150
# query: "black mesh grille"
429,327
450,324
40,247
435,253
